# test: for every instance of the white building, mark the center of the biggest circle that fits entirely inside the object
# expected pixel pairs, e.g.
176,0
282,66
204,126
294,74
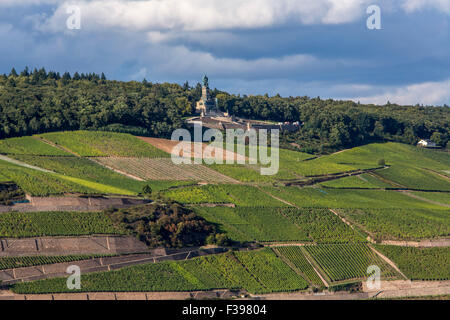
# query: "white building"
426,143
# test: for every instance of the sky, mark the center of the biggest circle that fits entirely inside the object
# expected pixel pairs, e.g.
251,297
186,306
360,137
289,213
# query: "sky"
291,47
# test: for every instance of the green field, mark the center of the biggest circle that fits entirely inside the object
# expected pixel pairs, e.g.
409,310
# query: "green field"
363,181
30,146
253,224
420,263
295,256
39,224
37,183
21,262
246,224
255,271
271,272
322,226
335,198
85,169
409,166
103,144
240,195
440,197
400,224
394,154
415,178
343,262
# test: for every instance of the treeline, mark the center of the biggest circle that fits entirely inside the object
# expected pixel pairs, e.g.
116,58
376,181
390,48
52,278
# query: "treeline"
39,101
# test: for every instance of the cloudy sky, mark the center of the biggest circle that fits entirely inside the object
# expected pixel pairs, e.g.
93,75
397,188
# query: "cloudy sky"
292,47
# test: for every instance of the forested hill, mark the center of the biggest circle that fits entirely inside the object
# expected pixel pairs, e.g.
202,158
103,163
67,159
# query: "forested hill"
40,101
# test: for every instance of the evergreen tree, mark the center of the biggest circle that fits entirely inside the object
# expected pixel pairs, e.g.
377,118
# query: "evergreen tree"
13,73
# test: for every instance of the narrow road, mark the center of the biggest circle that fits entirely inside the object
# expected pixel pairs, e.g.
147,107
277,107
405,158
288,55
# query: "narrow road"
407,193
23,164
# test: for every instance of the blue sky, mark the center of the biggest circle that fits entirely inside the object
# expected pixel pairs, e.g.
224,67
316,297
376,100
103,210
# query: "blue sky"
292,47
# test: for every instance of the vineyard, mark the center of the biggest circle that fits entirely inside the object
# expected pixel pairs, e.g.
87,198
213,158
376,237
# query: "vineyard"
164,169
103,144
415,178
29,146
253,224
240,195
321,225
38,224
393,154
364,181
38,183
336,198
271,272
296,256
348,261
420,263
21,262
400,224
255,271
87,170
441,197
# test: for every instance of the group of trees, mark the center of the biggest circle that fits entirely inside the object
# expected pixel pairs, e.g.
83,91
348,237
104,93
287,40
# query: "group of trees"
169,224
41,101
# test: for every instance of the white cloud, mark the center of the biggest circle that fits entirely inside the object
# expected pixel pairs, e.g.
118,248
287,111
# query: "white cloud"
428,93
205,15
414,5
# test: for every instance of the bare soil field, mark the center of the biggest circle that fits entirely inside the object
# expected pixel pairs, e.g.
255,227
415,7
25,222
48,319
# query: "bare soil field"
71,203
54,246
197,149
165,169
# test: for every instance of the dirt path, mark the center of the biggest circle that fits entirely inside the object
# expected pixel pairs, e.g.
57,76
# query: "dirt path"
56,146
409,194
300,273
23,164
276,198
437,173
116,170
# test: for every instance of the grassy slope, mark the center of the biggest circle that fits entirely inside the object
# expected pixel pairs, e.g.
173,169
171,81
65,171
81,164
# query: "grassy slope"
103,144
38,183
30,146
334,198
240,195
420,263
86,170
401,224
410,166
364,181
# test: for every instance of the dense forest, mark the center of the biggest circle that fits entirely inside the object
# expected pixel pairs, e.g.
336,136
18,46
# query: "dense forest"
39,101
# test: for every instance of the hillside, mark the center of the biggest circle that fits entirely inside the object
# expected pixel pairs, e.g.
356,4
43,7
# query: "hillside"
40,102
318,219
